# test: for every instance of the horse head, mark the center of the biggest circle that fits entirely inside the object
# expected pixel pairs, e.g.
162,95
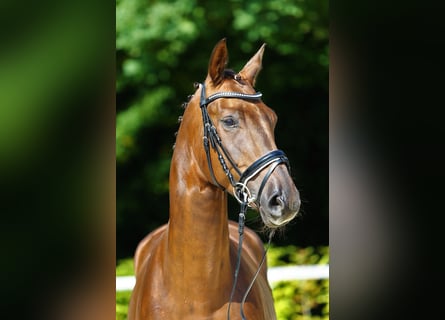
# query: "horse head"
240,153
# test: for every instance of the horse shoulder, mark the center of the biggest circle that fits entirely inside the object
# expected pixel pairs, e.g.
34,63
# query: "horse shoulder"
145,257
253,251
145,248
252,245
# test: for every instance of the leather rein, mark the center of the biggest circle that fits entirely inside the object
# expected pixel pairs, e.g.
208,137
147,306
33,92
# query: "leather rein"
240,190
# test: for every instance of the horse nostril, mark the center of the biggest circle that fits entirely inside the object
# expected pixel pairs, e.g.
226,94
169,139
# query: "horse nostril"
276,204
276,200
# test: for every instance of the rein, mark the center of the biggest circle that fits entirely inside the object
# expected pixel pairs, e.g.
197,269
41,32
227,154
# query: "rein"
240,190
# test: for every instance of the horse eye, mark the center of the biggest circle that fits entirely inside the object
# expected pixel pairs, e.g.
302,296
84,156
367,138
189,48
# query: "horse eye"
229,122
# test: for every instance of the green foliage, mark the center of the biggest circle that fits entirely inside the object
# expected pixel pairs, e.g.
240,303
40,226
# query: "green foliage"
279,256
143,113
122,301
294,300
300,299
125,267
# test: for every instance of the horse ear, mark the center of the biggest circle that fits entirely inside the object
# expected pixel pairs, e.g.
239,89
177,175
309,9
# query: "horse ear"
218,62
252,68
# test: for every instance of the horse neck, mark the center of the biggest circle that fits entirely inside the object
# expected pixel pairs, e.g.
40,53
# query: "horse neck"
198,235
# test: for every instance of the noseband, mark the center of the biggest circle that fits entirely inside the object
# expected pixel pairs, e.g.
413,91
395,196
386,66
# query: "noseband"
240,190
211,138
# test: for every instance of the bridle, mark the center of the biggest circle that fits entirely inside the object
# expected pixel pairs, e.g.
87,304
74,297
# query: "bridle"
240,190
211,138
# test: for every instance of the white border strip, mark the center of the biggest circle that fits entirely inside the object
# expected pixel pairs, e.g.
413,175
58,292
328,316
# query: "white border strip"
288,273
125,283
274,274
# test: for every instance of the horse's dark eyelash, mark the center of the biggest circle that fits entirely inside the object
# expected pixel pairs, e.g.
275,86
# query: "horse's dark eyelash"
230,122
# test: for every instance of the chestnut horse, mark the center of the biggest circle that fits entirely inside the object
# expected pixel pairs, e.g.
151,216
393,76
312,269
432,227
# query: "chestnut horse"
190,267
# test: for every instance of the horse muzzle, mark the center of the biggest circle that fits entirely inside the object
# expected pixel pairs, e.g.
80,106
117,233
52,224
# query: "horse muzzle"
280,202
276,198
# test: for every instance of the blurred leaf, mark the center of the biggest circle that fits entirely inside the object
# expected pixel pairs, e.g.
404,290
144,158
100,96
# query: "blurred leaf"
143,113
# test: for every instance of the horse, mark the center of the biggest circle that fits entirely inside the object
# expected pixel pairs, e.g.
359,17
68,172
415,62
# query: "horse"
194,267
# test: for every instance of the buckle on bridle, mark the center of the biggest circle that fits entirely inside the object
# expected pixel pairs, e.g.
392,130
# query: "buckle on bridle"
240,190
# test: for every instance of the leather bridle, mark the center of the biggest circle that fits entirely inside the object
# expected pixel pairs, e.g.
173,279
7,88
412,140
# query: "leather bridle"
211,138
240,190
